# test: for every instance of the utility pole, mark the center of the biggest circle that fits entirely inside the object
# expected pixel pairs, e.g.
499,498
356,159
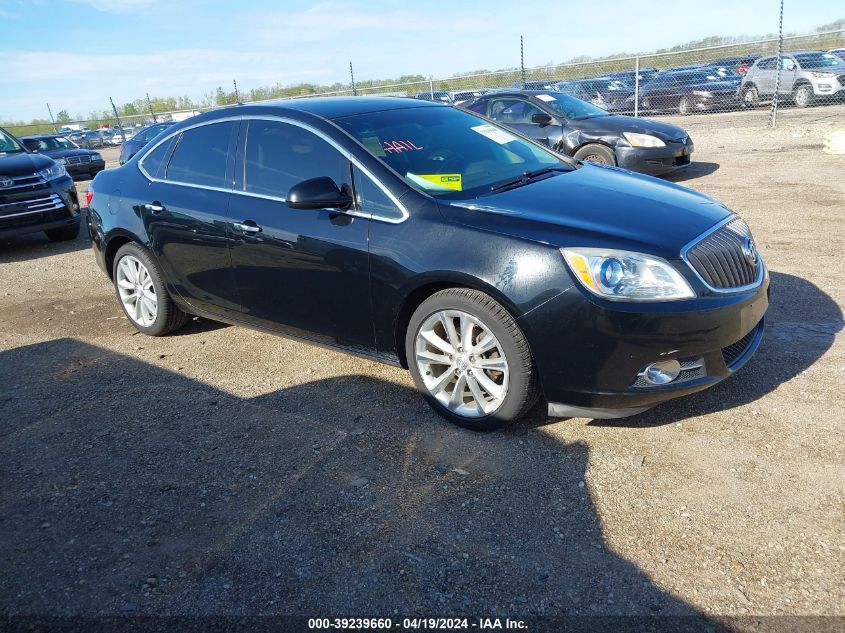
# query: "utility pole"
116,116
352,78
773,113
522,60
637,87
52,120
150,105
237,95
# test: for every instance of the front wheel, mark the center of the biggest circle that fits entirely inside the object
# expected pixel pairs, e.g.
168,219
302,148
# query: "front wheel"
683,106
750,97
803,95
594,153
140,289
470,359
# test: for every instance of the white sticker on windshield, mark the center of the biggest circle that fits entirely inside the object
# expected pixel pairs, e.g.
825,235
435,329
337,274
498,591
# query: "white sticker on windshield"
494,133
546,98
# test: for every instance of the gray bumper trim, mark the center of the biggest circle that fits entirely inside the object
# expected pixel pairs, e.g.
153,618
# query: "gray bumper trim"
560,410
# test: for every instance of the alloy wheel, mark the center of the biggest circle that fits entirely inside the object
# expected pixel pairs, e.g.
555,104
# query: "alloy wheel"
802,96
136,290
462,363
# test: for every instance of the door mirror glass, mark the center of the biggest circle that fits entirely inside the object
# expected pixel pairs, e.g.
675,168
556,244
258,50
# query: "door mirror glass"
318,193
541,118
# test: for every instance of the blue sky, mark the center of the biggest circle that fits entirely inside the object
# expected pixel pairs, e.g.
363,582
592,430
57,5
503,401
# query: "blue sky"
75,54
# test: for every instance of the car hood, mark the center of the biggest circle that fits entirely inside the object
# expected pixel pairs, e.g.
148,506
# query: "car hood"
596,206
616,124
23,163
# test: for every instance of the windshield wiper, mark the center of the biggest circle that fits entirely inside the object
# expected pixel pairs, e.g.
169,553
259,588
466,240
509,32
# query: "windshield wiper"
527,178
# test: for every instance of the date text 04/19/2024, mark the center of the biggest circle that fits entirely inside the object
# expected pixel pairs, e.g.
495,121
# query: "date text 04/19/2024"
413,624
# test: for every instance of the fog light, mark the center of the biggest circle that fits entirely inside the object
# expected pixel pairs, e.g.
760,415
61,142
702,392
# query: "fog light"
662,372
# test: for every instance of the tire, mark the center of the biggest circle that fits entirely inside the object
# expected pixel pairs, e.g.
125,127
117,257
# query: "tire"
683,106
64,234
750,96
595,153
508,388
803,96
166,315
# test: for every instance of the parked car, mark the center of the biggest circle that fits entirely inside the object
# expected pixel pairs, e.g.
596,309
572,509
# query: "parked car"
532,85
628,76
36,194
581,130
77,161
436,95
805,77
92,139
141,138
689,91
493,268
464,96
839,52
607,93
740,63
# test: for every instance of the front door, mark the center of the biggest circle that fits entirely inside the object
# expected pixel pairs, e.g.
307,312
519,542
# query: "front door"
303,272
517,113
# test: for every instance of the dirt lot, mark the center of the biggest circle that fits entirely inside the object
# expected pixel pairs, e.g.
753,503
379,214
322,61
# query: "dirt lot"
225,471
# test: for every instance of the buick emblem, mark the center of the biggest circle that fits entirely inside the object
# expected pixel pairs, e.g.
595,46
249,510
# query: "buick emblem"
6,182
749,251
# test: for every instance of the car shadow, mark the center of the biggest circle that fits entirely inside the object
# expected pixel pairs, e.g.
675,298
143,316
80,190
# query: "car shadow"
696,169
37,245
801,325
150,493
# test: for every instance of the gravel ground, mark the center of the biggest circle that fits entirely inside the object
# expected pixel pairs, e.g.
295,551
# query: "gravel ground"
226,471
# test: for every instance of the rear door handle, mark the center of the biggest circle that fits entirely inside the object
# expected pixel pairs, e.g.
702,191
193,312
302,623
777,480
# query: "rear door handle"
155,207
247,226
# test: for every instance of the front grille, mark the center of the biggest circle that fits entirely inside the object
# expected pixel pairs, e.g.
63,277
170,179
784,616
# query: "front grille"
78,160
720,259
734,352
841,79
31,207
30,182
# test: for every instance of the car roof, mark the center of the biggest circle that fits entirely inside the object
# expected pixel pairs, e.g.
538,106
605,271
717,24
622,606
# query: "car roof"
38,137
336,107
522,93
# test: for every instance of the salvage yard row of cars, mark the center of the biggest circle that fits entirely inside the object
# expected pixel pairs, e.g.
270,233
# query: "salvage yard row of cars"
729,83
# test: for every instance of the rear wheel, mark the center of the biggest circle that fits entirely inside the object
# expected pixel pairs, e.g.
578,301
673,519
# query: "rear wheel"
470,359
803,95
64,234
140,289
750,97
683,106
594,153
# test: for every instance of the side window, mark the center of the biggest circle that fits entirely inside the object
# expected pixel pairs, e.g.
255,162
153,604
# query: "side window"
280,155
787,63
480,108
513,111
201,155
373,200
152,162
766,64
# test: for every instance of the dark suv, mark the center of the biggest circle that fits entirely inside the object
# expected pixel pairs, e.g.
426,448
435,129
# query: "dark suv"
36,194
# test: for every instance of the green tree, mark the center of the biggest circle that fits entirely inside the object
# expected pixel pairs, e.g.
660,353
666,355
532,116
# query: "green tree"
63,117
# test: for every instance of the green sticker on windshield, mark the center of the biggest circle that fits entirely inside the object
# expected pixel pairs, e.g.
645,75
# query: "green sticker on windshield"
438,182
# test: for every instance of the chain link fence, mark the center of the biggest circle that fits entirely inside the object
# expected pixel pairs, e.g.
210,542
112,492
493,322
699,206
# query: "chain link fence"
697,82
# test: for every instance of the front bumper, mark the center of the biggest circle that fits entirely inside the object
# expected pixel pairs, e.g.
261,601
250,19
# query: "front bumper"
589,355
655,160
93,168
41,207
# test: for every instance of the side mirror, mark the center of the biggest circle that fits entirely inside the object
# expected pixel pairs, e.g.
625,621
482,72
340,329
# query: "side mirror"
318,193
541,118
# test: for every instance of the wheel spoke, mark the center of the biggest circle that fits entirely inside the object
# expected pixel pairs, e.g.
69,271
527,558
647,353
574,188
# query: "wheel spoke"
449,326
480,400
437,342
466,331
457,398
497,364
441,381
489,386
430,357
128,271
485,345
125,283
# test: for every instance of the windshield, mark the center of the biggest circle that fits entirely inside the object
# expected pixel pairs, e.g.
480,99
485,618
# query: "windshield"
446,152
8,143
53,143
570,107
817,60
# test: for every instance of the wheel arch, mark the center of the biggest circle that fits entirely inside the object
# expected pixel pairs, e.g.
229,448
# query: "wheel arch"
113,244
431,284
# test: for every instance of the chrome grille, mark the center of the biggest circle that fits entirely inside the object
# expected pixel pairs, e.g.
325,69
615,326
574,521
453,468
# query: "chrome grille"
30,181
719,257
78,160
31,207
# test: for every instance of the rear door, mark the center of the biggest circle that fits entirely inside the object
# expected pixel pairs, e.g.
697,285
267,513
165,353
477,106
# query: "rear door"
788,75
764,76
185,212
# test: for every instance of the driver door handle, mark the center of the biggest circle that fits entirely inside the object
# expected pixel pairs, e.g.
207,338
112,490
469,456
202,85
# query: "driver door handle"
247,226
154,207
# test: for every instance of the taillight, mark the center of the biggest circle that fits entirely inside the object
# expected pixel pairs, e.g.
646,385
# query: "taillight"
89,195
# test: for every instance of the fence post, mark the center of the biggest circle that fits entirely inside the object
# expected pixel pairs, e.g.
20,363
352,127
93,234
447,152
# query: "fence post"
150,104
352,78
522,60
637,87
52,120
431,86
773,113
114,109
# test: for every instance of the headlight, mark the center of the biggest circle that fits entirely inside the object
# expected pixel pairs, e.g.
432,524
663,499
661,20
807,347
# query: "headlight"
824,75
53,171
643,140
702,93
63,161
97,156
627,276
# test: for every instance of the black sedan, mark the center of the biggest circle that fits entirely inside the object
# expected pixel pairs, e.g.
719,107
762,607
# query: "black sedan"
607,93
131,146
495,270
586,132
77,161
692,90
